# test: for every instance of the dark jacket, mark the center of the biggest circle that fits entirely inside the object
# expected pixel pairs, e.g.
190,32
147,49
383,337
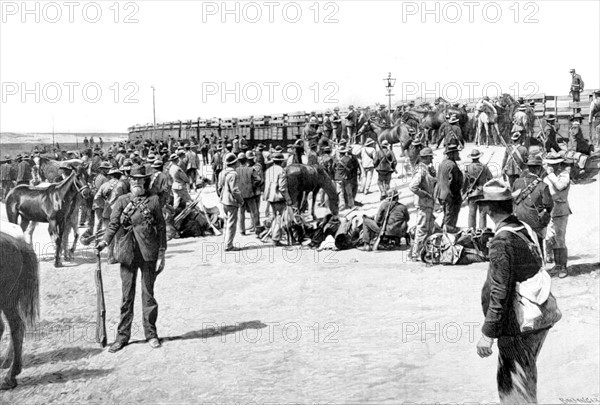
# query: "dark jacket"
511,261
515,157
159,186
149,237
397,224
476,175
23,171
385,161
344,168
449,182
535,208
249,181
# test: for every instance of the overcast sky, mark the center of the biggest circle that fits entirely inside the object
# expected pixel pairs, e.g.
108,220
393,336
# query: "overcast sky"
204,63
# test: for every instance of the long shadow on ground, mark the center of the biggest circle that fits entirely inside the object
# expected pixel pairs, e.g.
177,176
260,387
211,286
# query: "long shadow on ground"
59,355
219,331
583,268
62,376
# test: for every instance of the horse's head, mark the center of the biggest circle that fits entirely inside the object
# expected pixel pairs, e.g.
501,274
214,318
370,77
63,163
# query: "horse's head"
81,181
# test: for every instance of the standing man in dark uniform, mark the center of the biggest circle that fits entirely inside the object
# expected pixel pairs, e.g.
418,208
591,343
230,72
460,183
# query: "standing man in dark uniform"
159,183
6,176
476,175
449,185
514,159
140,213
351,119
23,170
514,258
533,202
327,124
217,163
576,85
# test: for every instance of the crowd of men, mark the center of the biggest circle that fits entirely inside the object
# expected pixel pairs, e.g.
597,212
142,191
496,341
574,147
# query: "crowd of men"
246,176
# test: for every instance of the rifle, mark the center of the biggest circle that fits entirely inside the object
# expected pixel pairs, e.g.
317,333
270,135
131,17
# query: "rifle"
385,222
100,307
471,188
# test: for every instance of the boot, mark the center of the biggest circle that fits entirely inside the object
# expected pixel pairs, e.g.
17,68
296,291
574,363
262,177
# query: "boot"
549,253
557,267
564,272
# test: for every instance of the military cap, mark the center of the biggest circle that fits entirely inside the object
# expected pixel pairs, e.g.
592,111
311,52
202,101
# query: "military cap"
104,165
173,157
369,142
550,118
139,172
278,157
241,156
278,148
250,155
451,147
597,92
157,163
475,154
114,170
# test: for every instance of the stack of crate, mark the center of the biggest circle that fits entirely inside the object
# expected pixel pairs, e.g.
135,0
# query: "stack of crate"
295,123
277,126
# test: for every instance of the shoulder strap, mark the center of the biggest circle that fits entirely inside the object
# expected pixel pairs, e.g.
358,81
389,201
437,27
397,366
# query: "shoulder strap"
529,231
527,191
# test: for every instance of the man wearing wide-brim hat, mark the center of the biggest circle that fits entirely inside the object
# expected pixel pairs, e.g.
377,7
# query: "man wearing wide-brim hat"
230,196
180,181
140,213
514,257
159,183
414,149
476,175
449,186
559,182
533,202
514,159
277,196
385,164
23,170
7,176
217,162
345,171
422,186
576,85
450,131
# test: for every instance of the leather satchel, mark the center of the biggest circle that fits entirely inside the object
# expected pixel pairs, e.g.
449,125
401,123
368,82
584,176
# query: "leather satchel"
123,249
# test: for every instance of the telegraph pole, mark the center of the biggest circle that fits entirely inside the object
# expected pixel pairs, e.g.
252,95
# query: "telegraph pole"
389,85
153,105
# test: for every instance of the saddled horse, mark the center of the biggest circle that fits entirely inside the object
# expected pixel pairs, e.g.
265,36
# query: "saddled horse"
305,179
57,204
19,300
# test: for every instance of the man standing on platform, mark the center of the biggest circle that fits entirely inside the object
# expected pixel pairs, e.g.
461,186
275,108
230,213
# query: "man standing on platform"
449,185
576,85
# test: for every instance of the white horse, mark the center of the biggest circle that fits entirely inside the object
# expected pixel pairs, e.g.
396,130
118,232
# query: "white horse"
486,116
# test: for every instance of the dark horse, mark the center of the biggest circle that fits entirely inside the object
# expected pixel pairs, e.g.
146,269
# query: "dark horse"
54,204
19,300
304,179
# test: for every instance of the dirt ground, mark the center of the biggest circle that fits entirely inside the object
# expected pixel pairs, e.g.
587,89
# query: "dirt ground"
283,325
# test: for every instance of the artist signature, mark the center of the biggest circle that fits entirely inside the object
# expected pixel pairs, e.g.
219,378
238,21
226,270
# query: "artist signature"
580,400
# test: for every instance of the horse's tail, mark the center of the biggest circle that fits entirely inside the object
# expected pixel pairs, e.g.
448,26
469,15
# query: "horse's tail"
29,285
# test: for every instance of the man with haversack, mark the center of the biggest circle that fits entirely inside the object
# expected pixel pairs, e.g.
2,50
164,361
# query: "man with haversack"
139,215
515,259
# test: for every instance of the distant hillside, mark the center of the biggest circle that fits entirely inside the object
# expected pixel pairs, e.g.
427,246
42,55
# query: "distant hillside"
62,137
